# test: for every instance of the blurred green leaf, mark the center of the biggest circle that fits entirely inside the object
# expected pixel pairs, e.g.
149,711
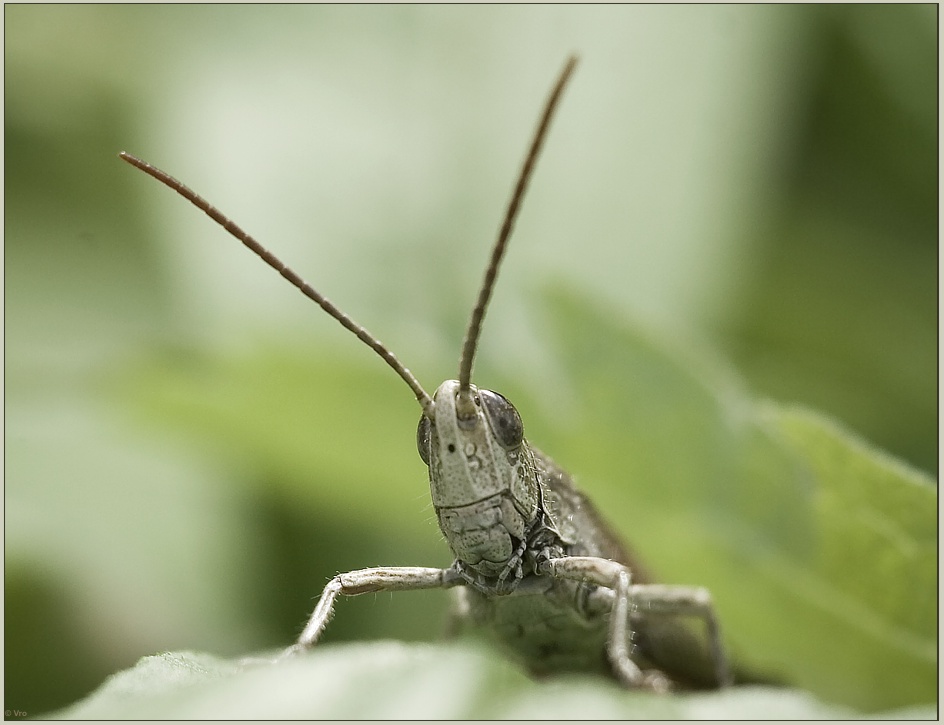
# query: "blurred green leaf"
329,434
788,520
820,551
420,682
841,308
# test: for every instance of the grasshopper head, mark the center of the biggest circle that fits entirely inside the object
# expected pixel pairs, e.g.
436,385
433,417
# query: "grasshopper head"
472,445
481,474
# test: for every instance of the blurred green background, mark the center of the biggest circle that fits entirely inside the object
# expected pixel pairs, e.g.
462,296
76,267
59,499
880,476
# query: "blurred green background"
755,181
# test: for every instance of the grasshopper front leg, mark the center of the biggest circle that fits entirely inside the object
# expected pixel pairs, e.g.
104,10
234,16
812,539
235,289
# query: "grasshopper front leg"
363,581
650,599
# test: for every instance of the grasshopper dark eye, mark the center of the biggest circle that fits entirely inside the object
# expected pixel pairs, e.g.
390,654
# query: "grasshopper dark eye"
504,419
422,438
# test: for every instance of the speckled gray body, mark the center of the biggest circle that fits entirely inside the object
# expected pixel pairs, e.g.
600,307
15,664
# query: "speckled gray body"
502,509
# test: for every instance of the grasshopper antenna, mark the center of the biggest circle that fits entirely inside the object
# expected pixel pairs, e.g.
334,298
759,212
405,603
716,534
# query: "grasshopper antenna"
478,312
306,289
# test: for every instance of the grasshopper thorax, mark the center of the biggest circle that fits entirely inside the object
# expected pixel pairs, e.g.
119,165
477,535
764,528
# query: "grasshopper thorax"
482,477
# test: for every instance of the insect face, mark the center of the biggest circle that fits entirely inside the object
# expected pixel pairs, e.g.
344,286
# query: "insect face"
482,475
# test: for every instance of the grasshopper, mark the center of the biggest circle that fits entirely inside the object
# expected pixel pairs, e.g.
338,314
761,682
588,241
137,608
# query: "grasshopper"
535,565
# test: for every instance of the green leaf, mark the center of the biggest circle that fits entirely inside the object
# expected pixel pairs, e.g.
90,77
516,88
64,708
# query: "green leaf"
820,551
389,680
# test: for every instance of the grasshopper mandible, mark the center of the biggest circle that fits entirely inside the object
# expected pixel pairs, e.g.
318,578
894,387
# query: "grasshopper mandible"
535,564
